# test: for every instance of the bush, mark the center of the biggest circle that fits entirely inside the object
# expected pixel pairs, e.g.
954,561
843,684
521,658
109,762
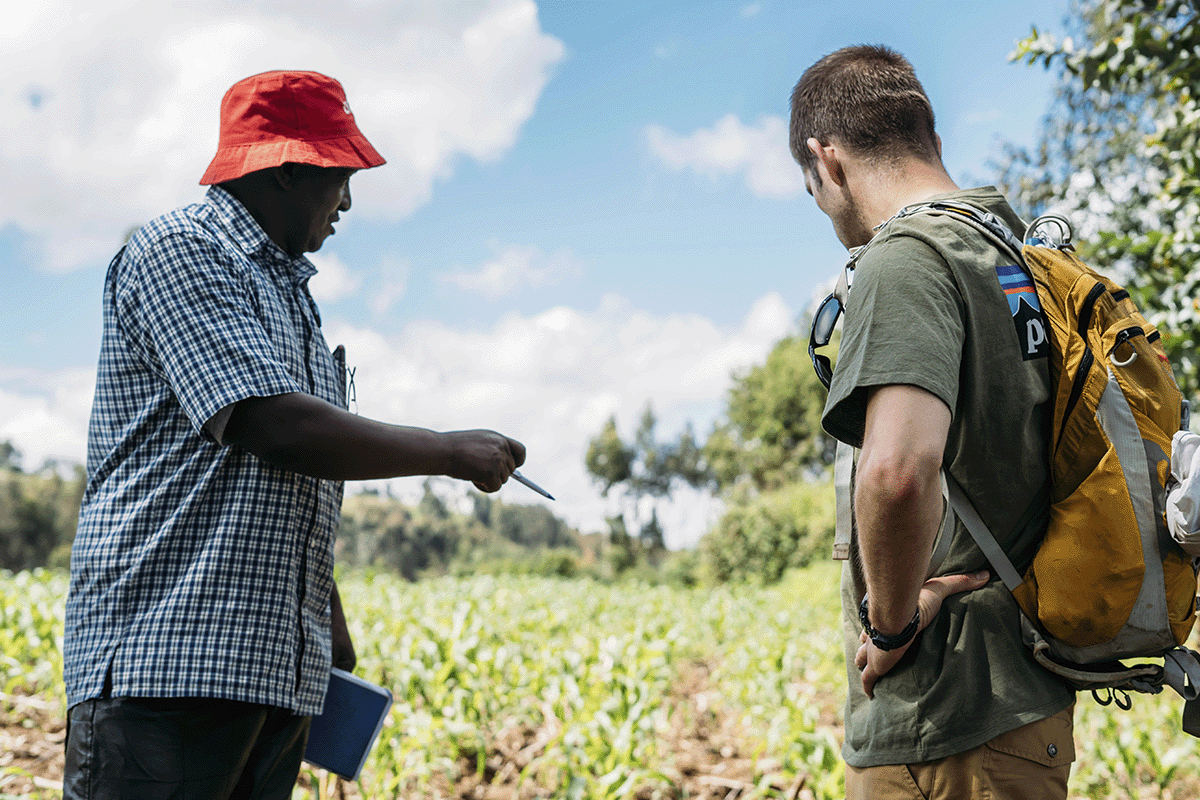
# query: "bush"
761,536
682,568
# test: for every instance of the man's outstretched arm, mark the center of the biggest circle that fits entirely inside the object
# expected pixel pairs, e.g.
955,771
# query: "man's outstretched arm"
304,434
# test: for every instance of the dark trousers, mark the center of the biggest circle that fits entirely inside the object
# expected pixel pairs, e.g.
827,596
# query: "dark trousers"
182,749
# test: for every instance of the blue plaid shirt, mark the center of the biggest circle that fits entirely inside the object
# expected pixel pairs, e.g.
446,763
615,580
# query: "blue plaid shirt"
199,570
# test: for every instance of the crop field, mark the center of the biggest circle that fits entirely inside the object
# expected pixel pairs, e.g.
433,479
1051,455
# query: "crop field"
518,687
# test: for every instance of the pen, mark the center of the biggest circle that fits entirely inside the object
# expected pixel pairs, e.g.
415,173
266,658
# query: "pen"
522,479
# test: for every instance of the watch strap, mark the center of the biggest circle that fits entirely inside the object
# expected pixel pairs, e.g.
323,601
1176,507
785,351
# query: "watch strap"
885,641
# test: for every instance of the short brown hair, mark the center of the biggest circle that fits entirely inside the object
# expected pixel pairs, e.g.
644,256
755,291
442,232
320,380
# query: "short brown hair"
868,99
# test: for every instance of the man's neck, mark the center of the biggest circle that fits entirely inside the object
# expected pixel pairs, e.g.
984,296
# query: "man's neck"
255,193
893,189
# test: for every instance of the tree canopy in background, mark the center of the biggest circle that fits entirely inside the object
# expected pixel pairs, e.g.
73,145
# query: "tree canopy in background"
768,436
433,538
1119,156
771,435
38,511
642,472
762,458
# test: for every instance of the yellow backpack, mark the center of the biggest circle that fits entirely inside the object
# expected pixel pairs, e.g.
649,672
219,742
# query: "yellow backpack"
1107,582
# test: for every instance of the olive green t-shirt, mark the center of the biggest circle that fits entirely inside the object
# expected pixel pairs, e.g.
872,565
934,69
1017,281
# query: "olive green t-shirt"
934,304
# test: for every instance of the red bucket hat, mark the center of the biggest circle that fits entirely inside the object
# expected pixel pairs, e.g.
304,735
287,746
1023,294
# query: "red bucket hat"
277,117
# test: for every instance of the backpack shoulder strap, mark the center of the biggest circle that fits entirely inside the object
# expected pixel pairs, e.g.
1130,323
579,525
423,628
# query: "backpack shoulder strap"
980,533
981,220
843,478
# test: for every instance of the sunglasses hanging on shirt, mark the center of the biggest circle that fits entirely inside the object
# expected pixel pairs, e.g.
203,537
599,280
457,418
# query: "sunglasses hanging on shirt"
822,330
826,318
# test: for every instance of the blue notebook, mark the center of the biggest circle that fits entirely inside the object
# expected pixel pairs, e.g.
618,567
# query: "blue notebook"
342,736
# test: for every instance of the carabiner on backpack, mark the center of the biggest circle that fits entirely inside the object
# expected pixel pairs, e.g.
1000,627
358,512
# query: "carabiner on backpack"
1061,241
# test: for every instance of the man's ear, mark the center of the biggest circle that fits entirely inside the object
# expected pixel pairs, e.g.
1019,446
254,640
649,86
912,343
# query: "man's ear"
829,161
284,176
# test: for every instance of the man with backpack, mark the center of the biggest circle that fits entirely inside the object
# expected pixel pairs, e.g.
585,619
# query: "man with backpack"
940,366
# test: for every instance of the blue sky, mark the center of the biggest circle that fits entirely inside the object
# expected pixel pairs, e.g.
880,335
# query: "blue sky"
587,205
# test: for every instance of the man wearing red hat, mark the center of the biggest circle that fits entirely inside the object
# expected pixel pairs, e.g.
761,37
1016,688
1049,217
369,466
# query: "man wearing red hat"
202,617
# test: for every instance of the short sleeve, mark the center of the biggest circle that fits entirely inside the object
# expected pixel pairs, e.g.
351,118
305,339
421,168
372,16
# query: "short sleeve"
190,312
904,324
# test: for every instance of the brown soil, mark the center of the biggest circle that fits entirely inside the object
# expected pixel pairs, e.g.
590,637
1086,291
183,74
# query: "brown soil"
710,759
710,756
32,734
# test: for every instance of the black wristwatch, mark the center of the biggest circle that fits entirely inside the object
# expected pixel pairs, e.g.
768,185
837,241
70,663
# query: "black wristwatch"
882,640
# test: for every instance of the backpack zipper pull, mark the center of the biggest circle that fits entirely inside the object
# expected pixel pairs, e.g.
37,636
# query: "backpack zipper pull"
1123,338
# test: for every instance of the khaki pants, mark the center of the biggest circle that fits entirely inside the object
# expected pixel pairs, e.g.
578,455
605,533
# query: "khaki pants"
1029,763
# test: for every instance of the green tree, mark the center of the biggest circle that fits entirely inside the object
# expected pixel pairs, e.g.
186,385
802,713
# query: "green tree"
435,538
760,537
771,434
763,456
380,532
532,526
481,508
431,505
651,534
609,460
1120,155
769,457
38,512
621,553
646,469
10,457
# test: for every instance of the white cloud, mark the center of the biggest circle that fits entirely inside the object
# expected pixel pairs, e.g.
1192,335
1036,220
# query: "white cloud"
333,280
393,283
751,10
110,115
45,414
552,379
514,267
758,153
